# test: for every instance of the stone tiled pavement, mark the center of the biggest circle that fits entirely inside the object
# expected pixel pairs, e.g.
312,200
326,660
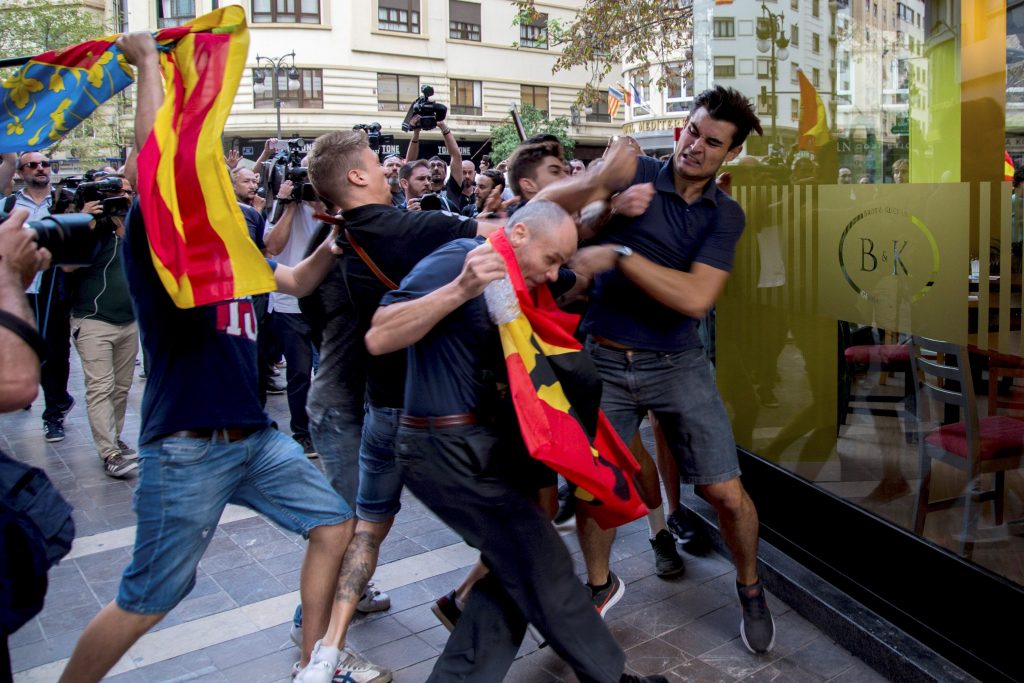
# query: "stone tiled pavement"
234,625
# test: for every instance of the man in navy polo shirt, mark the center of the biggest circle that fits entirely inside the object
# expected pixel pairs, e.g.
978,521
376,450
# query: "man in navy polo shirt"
672,263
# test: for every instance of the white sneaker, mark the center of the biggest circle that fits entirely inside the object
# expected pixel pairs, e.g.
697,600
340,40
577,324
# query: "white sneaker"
355,669
373,600
322,664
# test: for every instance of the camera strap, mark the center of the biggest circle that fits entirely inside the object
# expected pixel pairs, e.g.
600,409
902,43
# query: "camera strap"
26,331
369,261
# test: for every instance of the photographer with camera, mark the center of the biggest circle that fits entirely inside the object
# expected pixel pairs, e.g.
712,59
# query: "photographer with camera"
48,297
445,189
288,240
103,324
415,181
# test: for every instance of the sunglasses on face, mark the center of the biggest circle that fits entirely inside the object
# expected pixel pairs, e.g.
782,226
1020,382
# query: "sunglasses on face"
36,164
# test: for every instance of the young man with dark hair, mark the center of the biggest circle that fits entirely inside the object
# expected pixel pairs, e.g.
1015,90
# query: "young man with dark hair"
534,166
659,274
414,178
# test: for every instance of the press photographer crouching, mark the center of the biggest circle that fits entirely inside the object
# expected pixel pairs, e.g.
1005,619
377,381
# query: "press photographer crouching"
287,238
29,504
103,325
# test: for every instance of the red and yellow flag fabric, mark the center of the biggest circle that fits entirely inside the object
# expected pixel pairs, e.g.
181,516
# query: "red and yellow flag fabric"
1007,166
557,395
812,131
197,234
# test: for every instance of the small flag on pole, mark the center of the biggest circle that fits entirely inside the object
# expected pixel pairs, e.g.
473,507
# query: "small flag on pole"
636,95
614,99
1007,166
812,132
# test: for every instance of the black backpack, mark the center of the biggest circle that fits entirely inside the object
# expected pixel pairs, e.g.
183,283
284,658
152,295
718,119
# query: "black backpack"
36,531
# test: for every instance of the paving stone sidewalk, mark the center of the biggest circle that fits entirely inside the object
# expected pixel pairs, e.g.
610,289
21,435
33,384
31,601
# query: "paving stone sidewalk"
234,625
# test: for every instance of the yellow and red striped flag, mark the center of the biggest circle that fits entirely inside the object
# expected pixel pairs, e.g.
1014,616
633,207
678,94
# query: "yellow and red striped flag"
557,396
812,131
1007,166
613,102
197,234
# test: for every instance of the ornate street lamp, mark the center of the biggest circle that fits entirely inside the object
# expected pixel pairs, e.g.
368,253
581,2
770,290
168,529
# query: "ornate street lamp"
771,37
273,66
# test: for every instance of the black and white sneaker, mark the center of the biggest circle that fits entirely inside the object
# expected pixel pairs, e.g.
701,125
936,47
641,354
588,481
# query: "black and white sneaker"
757,627
118,466
667,562
53,430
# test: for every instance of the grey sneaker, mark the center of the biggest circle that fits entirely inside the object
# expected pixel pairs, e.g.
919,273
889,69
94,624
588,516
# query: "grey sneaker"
373,600
667,562
118,466
127,452
757,627
605,598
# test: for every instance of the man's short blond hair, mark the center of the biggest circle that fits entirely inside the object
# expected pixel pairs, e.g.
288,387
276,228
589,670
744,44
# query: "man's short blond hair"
330,159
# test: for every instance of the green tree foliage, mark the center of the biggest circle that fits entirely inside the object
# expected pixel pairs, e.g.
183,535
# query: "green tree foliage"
505,138
31,27
605,34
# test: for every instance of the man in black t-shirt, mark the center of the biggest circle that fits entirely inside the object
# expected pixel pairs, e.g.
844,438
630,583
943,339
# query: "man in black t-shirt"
462,455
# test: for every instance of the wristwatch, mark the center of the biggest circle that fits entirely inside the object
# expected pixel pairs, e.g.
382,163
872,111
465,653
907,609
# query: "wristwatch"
623,251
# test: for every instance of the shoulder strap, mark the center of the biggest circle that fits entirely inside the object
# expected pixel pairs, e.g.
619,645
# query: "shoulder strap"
9,202
369,261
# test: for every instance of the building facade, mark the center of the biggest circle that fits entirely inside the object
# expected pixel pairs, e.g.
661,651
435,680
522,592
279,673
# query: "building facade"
365,62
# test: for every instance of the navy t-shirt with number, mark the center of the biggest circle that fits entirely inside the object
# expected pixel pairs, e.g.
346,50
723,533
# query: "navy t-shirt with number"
670,233
202,360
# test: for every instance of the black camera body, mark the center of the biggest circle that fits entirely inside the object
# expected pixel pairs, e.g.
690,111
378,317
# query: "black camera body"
287,165
372,133
69,237
108,191
431,201
430,113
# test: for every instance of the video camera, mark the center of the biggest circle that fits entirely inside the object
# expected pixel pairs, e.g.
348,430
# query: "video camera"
429,112
108,191
431,201
68,237
372,133
287,165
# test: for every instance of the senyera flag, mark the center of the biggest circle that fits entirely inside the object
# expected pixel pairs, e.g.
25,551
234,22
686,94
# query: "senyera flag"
557,394
812,131
197,235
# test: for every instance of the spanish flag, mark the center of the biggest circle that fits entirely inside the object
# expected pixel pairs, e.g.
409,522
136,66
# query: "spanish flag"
557,395
197,234
1007,166
812,131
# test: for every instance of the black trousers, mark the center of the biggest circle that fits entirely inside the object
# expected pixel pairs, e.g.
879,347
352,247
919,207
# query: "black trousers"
53,320
292,330
474,481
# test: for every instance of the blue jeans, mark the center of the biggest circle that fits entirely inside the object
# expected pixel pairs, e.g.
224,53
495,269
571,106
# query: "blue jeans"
680,389
184,484
380,481
336,434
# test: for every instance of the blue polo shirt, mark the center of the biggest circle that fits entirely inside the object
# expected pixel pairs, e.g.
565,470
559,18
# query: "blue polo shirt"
670,233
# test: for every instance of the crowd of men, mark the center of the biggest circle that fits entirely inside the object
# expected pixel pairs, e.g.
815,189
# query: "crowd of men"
395,377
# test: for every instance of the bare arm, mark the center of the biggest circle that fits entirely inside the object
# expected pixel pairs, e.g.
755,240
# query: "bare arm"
453,150
614,175
268,151
310,271
277,235
19,260
690,293
413,153
139,49
399,325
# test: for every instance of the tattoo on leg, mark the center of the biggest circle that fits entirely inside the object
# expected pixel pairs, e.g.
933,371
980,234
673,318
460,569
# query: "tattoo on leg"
357,567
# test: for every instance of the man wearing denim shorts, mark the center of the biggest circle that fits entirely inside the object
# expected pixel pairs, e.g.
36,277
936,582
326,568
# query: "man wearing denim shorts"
672,263
204,442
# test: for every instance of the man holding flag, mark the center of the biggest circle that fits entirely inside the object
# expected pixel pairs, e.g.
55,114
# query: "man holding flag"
463,454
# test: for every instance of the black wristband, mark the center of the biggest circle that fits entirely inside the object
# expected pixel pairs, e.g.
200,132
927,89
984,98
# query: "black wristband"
27,332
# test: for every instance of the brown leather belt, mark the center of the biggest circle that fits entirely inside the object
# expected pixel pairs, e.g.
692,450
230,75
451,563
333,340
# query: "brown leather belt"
439,422
226,434
608,343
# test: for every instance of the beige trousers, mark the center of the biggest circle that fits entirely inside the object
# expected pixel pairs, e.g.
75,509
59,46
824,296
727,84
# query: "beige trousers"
108,362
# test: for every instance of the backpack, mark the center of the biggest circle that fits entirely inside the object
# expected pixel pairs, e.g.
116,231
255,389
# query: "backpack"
36,531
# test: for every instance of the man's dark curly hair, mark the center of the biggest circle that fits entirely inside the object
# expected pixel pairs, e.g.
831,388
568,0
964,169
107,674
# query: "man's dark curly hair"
729,104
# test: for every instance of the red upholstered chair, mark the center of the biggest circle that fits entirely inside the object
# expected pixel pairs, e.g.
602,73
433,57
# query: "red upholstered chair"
975,445
885,358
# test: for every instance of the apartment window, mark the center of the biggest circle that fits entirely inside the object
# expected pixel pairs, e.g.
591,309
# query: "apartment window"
794,4
816,77
535,95
399,15
306,93
463,20
678,92
396,92
598,112
794,69
174,12
764,68
725,27
765,103
286,11
816,43
794,109
725,67
534,33
794,35
815,8
466,98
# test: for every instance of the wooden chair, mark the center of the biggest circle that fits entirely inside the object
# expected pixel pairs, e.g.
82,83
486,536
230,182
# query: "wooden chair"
886,359
975,445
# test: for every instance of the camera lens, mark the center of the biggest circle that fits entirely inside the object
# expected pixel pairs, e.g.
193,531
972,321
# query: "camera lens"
68,237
